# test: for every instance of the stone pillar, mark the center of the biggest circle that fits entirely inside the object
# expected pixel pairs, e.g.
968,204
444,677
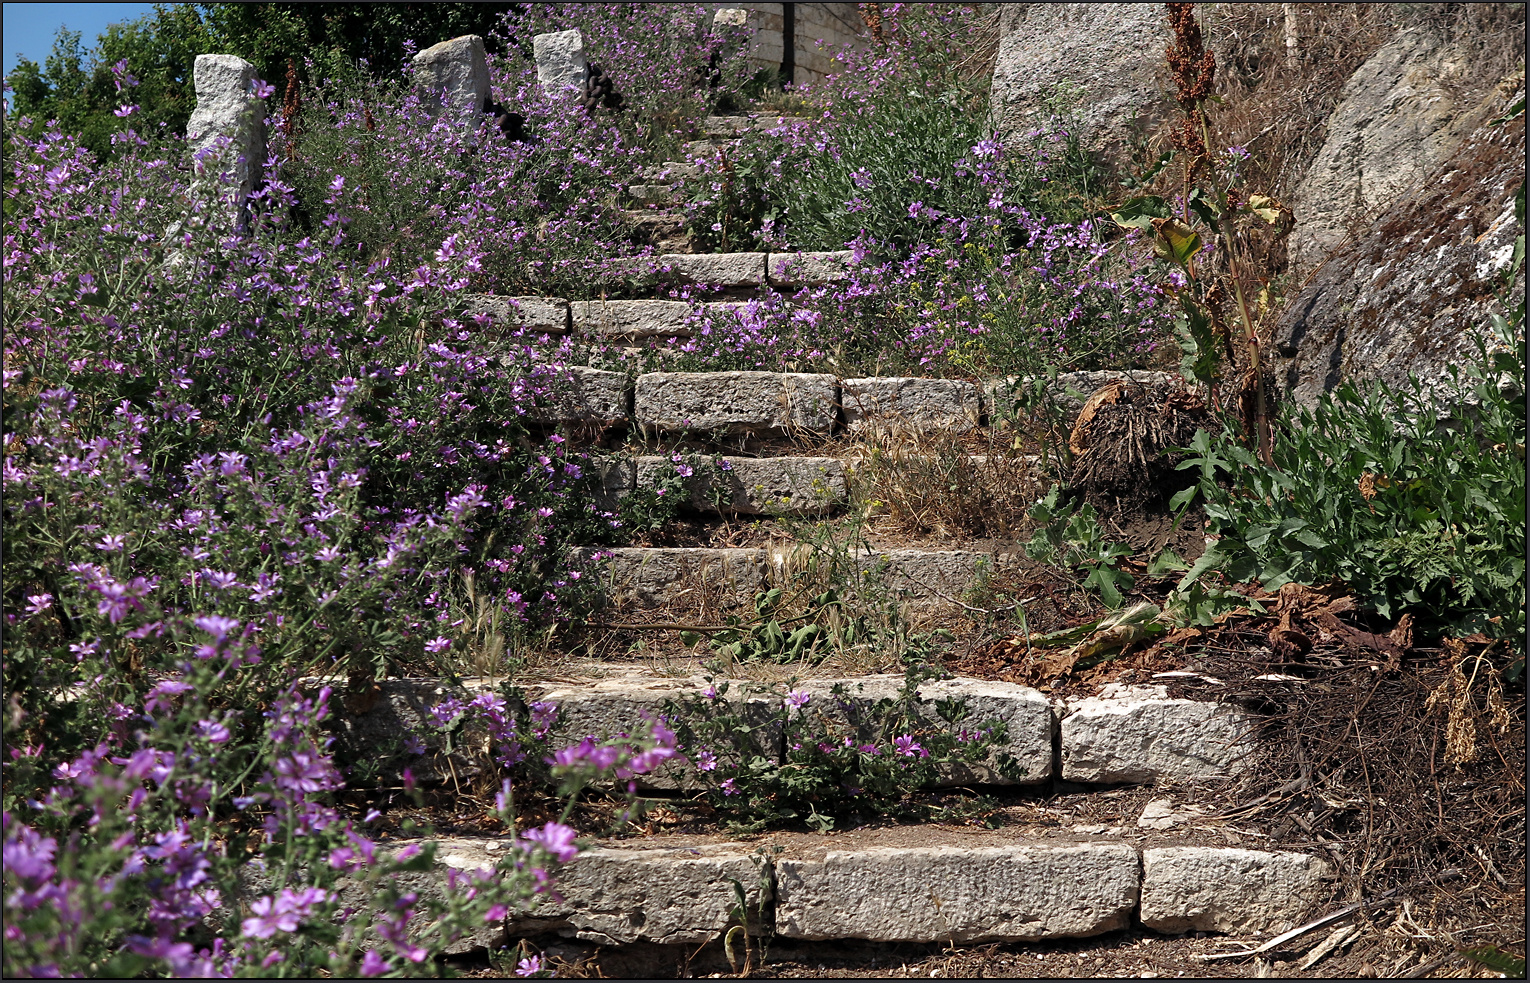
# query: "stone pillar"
453,78
561,63
228,107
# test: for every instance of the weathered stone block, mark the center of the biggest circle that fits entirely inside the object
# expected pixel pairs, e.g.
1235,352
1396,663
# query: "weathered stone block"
758,486
1215,889
1140,735
615,897
671,172
652,194
586,396
651,578
641,318
734,17
227,107
737,402
615,707
717,269
956,894
929,578
452,78
618,476
1025,713
533,315
810,269
561,62
915,405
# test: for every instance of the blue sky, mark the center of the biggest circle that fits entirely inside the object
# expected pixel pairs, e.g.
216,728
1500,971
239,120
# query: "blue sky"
29,27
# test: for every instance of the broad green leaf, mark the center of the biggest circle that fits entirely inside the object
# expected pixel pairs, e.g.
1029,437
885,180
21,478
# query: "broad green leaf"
1166,563
1176,240
1208,208
1139,212
1181,499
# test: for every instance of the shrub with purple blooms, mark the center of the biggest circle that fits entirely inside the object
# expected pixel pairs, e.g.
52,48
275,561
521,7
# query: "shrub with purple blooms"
244,449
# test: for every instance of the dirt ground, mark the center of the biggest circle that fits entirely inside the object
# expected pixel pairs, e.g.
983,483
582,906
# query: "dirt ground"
1377,949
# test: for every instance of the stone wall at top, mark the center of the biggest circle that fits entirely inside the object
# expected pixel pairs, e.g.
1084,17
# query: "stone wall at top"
816,29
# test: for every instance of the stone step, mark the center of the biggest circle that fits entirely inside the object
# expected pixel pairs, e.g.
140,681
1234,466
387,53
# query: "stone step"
661,227
726,127
705,150
525,315
670,172
784,486
927,884
810,269
777,403
752,403
1149,737
653,194
923,582
630,319
712,269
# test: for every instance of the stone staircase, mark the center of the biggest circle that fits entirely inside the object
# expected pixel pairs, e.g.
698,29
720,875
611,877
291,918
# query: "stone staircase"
1168,867
794,442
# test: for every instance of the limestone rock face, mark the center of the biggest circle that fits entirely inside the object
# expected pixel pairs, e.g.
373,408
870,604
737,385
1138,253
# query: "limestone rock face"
1112,51
1400,115
1405,296
453,77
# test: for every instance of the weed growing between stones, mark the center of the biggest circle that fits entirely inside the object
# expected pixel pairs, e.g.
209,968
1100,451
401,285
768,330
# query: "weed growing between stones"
939,484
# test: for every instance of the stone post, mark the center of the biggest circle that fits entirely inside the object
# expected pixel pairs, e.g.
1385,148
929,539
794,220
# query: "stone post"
228,107
730,17
561,63
453,78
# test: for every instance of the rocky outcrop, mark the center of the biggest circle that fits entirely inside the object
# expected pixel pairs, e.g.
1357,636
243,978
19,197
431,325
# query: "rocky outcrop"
1112,52
1400,116
1407,294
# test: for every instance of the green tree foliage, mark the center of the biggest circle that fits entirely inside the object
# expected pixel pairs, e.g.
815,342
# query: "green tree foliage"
75,85
334,35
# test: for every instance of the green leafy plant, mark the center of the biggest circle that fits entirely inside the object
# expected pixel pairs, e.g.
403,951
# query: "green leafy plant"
1380,490
1071,536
